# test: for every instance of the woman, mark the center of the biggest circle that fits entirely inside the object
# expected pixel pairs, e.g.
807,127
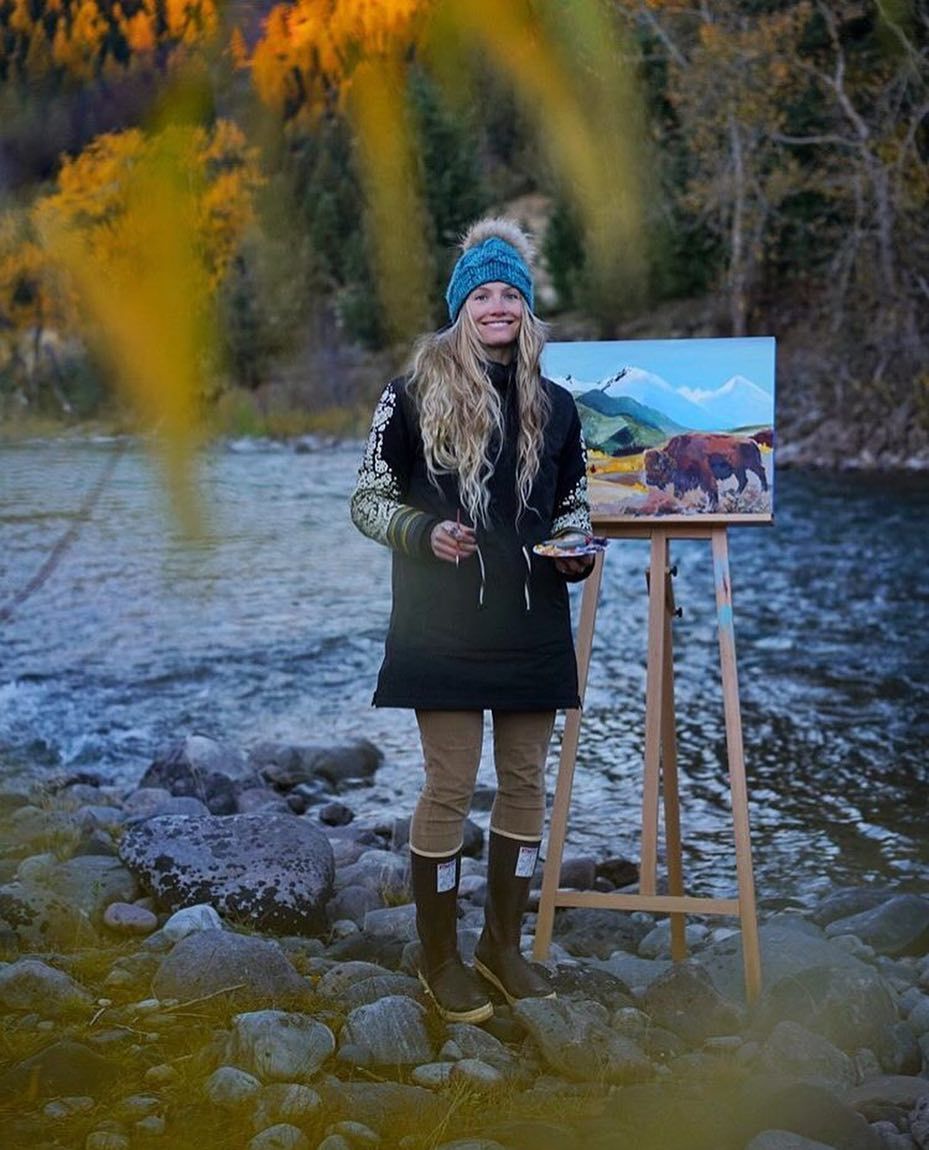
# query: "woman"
472,459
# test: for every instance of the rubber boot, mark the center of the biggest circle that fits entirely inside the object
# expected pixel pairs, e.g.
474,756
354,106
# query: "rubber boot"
510,864
456,991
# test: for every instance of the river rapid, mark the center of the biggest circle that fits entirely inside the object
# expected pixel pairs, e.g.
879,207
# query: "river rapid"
271,627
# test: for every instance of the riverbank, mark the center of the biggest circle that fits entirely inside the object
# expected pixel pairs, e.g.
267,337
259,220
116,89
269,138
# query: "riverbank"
224,955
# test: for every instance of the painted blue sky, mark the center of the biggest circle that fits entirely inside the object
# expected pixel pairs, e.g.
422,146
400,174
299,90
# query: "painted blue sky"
700,363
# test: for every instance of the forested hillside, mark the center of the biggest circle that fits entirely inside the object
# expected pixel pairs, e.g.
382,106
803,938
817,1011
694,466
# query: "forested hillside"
776,179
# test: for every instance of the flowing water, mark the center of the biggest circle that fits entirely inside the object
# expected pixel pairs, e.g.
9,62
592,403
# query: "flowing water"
272,628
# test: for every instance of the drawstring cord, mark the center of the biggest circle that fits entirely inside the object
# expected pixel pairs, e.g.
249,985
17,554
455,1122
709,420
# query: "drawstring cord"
528,577
526,594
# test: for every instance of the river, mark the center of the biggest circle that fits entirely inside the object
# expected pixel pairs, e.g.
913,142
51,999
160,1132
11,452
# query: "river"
272,627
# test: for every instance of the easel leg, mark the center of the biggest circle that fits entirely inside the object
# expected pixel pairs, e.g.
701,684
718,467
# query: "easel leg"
743,847
657,605
572,728
672,816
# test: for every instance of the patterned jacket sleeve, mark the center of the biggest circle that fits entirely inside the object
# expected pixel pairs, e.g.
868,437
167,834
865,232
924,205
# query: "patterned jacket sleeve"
572,509
377,506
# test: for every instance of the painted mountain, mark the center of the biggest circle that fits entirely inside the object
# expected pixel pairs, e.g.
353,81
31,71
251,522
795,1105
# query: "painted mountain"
674,428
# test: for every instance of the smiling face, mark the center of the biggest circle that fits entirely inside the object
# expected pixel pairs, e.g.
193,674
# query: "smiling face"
496,310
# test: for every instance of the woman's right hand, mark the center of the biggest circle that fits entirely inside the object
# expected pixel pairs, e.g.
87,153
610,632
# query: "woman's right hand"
452,541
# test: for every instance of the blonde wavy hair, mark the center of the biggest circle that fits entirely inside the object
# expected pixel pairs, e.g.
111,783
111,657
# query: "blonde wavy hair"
461,417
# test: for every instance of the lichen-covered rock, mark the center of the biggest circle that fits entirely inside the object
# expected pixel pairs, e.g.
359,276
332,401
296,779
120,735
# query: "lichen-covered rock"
273,871
254,971
41,920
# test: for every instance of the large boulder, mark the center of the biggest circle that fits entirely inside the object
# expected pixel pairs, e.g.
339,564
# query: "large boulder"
273,872
252,972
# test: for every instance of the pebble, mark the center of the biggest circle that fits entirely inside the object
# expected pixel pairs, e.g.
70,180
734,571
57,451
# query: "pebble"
129,918
285,1102
228,1086
432,1075
106,1140
357,1133
152,1126
335,1142
280,1046
191,919
475,1073
280,1137
66,1107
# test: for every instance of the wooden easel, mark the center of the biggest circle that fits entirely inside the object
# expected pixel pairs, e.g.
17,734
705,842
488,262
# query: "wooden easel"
661,760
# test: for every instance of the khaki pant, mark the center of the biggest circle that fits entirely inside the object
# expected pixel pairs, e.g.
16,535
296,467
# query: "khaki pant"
452,752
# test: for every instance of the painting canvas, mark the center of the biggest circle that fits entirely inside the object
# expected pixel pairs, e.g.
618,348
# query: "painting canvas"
676,429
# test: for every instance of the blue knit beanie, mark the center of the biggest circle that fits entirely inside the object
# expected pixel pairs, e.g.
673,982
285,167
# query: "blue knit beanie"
492,261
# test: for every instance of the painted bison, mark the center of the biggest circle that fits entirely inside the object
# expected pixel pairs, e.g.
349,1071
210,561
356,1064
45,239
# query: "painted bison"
697,462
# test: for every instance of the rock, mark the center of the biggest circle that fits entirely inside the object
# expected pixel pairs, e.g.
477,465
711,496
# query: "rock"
129,919
353,903
849,901
67,1107
898,926
784,1140
900,1090
262,799
158,801
343,975
30,984
42,920
576,1041
578,873
787,948
283,1136
393,1031
230,1087
618,872
357,1134
287,765
253,971
850,1006
383,872
106,1140
577,981
432,1075
280,1046
202,768
63,1069
382,1104
473,1042
285,1102
792,1049
637,973
334,1142
272,871
394,922
472,845
657,943
476,1074
597,933
903,1055
471,1144
685,1001
191,920
336,814
372,989
919,1122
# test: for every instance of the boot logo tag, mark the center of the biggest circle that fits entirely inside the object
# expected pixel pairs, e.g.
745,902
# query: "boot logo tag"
525,863
445,876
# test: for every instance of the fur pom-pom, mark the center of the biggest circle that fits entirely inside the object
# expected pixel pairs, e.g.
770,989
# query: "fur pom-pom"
504,229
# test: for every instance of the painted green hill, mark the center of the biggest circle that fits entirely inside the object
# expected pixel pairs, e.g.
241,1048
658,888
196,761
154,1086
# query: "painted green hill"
619,425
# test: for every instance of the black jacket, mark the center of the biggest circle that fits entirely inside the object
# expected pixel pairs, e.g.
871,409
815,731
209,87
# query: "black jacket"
495,631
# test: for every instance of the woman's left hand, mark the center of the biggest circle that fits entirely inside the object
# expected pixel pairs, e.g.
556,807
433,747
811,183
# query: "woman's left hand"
582,565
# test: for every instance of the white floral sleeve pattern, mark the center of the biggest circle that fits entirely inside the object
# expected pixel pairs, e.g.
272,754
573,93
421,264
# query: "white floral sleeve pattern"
377,493
377,506
572,508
